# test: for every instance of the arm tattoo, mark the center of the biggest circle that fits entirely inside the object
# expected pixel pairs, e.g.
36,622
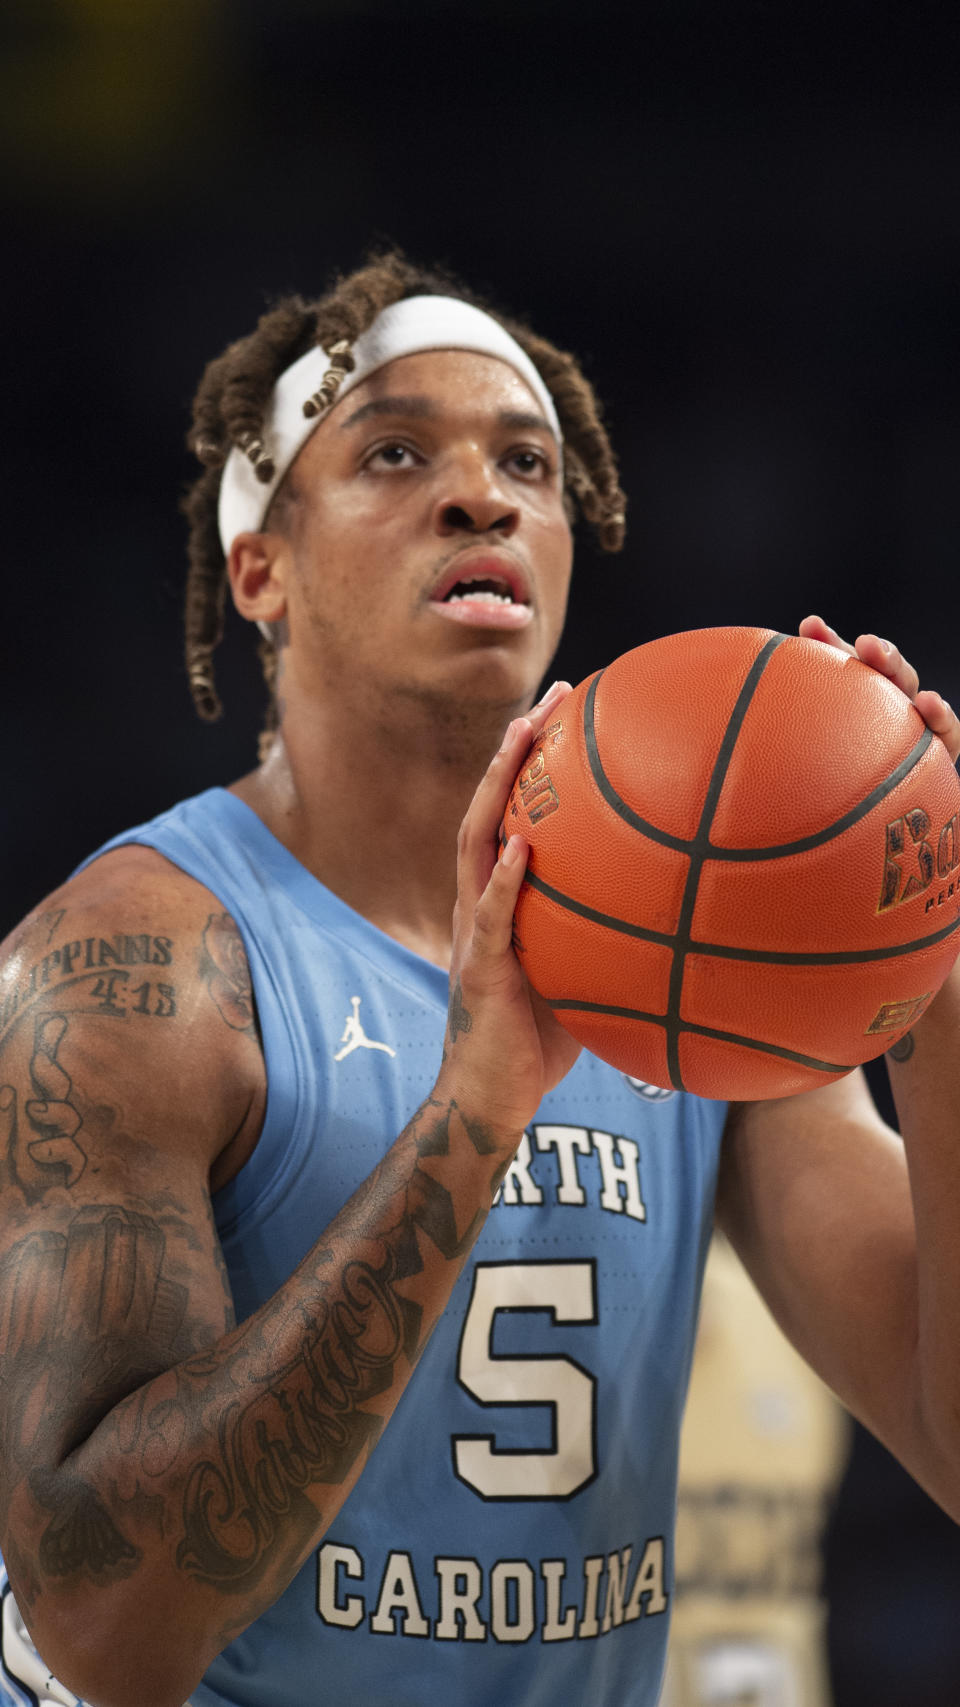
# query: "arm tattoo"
89,1312
93,974
223,963
308,1423
92,1305
52,920
219,1451
81,1536
903,1048
460,1019
43,1148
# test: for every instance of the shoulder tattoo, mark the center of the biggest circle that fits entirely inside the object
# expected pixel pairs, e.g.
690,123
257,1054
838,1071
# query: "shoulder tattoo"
226,972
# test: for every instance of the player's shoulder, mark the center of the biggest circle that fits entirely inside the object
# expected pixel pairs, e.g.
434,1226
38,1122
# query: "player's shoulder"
130,890
136,970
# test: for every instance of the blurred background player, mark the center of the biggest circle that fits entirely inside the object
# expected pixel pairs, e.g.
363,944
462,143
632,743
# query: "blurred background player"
762,1450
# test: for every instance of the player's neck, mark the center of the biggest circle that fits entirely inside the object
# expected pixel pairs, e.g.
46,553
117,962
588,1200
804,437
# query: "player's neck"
372,808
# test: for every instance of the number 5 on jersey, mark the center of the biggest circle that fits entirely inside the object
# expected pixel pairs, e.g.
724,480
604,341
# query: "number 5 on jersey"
568,1291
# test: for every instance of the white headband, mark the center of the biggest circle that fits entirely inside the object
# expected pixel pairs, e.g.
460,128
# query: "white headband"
417,323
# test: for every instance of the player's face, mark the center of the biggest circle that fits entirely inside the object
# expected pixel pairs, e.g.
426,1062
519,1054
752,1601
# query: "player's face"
429,545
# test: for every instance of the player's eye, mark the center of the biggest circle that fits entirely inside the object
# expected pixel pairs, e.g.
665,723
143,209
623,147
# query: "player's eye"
529,463
392,454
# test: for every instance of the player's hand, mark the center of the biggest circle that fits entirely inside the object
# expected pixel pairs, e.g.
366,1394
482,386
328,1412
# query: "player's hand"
884,657
503,1049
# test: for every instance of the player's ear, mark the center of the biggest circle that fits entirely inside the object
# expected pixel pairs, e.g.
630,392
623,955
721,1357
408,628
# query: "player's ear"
256,567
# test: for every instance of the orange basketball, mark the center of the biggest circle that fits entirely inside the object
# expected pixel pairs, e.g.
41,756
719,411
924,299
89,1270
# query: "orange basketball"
744,875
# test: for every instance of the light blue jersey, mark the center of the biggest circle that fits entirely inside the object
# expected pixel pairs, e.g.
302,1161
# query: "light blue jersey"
510,1540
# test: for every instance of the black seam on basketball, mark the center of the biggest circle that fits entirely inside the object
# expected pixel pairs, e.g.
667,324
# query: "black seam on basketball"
778,850
783,850
606,787
595,917
572,1004
840,957
770,1049
701,848
725,951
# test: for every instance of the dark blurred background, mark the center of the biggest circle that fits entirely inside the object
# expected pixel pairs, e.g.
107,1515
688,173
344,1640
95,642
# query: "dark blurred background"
743,216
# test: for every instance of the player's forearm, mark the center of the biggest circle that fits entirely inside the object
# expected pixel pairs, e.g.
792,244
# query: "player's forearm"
925,1077
190,1506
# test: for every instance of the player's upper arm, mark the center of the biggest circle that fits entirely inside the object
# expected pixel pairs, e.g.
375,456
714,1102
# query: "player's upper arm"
130,1073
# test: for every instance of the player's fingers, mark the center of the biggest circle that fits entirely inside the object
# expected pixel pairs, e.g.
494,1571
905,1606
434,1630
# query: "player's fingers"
493,914
939,716
883,656
547,705
814,628
477,841
880,655
477,845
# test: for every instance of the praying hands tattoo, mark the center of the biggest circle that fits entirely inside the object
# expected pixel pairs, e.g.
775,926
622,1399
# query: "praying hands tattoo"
39,1134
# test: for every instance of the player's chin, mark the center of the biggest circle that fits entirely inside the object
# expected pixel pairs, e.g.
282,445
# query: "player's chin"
504,663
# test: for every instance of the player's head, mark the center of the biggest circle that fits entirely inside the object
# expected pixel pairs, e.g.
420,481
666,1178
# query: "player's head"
259,402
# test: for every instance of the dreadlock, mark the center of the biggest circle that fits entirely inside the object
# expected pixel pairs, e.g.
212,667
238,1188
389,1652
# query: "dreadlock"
235,390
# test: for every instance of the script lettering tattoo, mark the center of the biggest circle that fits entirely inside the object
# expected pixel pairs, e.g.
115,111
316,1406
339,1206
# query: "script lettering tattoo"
223,963
306,1426
308,1423
903,1048
155,1431
88,974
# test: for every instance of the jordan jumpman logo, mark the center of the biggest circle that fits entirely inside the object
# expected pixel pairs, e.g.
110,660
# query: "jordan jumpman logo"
354,1036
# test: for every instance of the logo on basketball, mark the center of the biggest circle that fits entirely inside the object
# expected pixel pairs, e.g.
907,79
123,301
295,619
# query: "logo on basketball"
898,1016
537,792
909,860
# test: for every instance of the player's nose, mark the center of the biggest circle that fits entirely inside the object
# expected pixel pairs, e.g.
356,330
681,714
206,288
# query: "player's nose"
470,499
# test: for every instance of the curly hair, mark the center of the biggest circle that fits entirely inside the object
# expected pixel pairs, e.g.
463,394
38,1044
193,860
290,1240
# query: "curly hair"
233,395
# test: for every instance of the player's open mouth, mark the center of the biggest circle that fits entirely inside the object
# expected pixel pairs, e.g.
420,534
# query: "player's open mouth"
488,594
478,588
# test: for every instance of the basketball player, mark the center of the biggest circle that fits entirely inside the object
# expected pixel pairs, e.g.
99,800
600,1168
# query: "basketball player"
345,1311
762,1448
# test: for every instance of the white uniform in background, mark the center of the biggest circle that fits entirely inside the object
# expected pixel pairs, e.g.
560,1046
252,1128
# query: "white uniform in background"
763,1447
